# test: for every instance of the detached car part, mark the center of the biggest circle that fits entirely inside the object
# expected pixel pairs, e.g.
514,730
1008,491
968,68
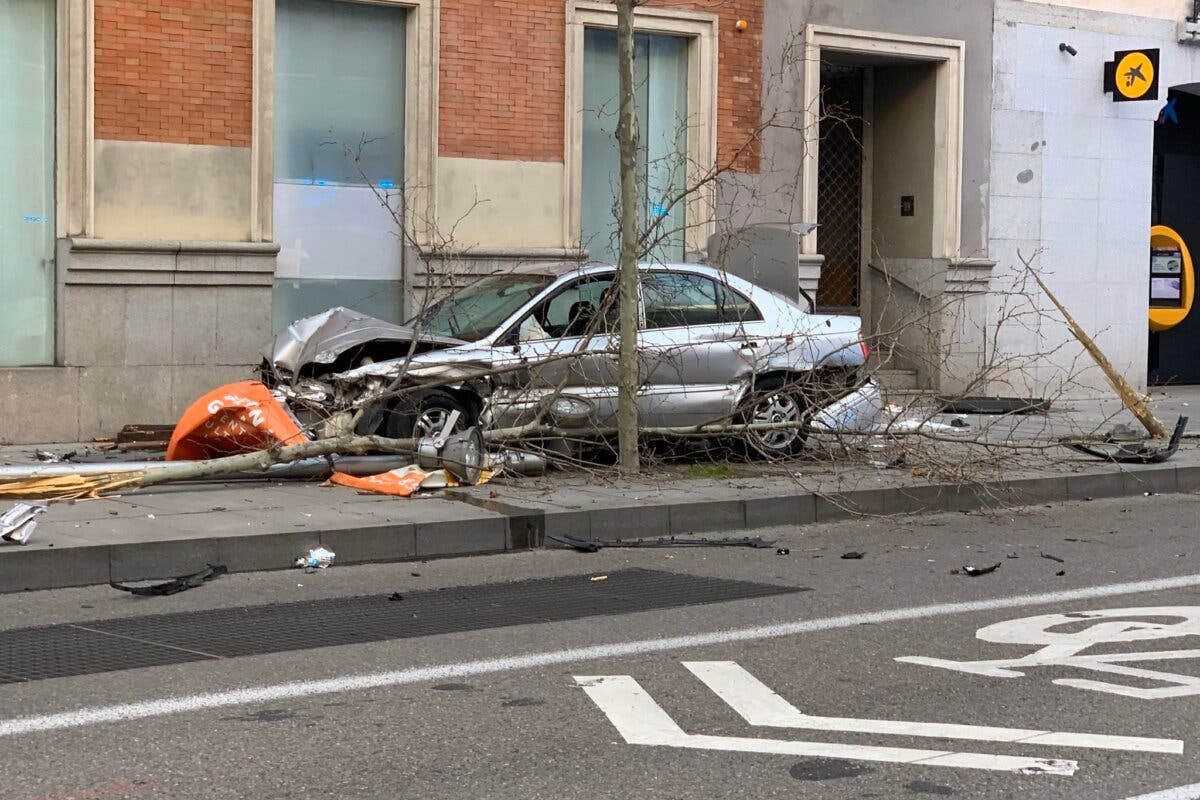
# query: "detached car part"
1136,452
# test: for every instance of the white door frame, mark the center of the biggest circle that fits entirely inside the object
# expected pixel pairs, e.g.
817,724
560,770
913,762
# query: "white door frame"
949,56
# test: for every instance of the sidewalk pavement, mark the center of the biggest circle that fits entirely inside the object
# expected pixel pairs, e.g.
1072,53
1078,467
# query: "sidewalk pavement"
258,525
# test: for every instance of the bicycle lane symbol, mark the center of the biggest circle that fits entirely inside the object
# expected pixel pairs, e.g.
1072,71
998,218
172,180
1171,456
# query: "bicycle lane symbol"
1065,648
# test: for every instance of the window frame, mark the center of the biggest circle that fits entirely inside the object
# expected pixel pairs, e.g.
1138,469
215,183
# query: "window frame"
511,335
700,29
420,117
722,288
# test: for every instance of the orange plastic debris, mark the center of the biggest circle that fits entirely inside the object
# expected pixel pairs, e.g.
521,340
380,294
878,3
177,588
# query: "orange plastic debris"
399,482
236,418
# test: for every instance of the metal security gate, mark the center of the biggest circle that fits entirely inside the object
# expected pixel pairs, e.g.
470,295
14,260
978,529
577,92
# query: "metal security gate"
840,185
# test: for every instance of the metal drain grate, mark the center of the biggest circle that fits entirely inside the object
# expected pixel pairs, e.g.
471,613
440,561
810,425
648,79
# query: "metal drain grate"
86,648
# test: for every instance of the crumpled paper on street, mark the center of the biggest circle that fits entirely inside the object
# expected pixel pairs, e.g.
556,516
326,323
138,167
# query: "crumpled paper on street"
17,524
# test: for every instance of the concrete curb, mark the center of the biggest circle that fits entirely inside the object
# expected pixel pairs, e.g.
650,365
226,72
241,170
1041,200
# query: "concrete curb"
493,526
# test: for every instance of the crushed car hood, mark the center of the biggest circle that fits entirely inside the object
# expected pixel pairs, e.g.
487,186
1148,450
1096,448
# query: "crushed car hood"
321,338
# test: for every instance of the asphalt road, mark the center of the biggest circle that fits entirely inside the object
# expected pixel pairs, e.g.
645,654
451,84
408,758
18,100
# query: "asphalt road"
801,696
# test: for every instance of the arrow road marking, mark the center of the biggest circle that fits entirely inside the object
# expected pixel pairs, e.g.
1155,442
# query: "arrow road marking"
759,705
640,720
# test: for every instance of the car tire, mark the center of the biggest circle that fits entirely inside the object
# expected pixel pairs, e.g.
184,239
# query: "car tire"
403,421
774,400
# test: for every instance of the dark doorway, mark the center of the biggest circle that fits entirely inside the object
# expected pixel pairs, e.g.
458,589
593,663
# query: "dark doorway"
840,185
1174,355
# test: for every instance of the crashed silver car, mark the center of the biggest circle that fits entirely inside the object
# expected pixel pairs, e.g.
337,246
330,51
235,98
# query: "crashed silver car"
713,349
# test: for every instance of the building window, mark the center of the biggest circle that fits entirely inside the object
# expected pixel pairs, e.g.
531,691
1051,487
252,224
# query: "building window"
339,156
660,76
27,46
675,75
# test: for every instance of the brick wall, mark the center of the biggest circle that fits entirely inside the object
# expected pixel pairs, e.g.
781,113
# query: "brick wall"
502,78
180,71
502,87
739,81
174,71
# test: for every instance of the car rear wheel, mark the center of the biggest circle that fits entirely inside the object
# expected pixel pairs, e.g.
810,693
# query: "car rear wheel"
776,401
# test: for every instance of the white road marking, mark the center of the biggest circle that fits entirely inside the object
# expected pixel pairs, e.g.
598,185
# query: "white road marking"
756,703
1191,792
642,721
350,683
1063,648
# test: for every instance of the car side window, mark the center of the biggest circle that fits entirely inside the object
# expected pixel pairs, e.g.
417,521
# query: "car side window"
675,299
574,311
736,307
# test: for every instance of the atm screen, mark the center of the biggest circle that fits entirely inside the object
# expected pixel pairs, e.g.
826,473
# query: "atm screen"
1166,277
1166,289
1166,262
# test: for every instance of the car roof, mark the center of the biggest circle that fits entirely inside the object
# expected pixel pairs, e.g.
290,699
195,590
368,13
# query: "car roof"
559,269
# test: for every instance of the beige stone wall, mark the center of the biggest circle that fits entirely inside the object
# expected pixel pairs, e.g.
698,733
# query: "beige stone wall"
493,203
162,190
1160,9
144,329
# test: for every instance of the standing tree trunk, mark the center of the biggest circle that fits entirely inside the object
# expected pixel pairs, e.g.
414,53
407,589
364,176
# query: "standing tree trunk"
627,141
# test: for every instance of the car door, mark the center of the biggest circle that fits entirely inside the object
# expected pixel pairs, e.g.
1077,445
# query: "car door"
562,346
694,349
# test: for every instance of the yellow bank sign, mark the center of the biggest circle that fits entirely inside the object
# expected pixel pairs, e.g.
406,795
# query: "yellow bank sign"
1132,75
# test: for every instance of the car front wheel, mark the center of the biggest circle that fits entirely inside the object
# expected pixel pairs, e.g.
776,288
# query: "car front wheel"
429,417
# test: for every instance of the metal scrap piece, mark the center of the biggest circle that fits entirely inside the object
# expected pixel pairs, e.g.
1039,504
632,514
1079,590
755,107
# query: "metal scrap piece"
1138,452
180,584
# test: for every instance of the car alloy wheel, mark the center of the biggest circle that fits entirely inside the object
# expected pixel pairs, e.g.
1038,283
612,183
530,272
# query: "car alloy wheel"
776,402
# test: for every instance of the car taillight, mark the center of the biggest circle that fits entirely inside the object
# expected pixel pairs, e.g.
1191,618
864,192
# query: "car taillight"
866,348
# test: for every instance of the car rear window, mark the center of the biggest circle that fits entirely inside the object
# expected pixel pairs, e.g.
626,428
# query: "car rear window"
676,299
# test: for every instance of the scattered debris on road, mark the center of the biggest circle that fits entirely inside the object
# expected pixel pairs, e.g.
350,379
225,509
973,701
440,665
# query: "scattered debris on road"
395,597
975,572
594,545
143,437
993,405
1052,558
315,559
17,524
853,555
597,578
783,551
46,457
176,585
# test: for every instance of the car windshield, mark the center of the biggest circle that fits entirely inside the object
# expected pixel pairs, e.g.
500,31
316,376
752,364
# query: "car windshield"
475,311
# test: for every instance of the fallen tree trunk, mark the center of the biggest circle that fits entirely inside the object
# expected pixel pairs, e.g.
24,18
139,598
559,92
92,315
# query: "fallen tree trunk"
1132,399
112,477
